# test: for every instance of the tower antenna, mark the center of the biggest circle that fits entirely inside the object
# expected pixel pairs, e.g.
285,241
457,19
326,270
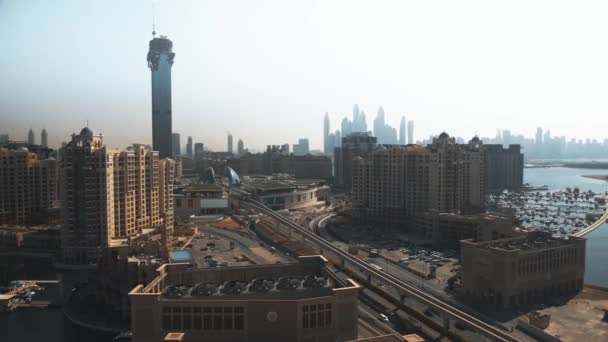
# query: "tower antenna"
153,20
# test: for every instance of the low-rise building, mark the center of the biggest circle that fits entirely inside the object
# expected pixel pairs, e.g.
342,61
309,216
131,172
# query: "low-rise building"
279,302
200,199
448,229
531,269
279,192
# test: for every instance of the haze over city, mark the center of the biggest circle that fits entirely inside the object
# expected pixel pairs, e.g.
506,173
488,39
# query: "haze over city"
259,69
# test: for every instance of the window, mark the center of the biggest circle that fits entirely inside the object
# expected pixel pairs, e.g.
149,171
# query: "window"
239,322
166,322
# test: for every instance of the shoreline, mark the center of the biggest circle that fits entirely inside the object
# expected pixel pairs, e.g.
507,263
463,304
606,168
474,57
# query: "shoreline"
598,177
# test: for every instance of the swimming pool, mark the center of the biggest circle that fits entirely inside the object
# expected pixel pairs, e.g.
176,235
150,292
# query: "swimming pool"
181,256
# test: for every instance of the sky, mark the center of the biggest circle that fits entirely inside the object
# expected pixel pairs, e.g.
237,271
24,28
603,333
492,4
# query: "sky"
267,71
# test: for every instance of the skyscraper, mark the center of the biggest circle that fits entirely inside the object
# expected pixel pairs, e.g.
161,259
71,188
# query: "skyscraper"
44,138
379,126
539,136
229,142
410,132
347,127
240,148
326,149
356,144
198,150
189,147
402,129
160,61
30,137
4,139
175,143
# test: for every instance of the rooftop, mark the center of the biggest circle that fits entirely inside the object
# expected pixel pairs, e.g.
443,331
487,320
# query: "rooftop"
530,242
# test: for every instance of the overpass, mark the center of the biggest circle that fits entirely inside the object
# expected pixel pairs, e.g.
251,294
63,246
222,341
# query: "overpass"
595,225
405,290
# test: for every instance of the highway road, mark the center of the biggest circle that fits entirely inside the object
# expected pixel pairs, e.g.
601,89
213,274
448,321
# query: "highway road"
488,330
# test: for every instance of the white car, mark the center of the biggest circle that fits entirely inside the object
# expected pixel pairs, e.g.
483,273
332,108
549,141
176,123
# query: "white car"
384,318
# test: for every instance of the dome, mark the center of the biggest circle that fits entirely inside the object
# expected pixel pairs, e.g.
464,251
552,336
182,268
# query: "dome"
475,139
86,131
444,135
23,149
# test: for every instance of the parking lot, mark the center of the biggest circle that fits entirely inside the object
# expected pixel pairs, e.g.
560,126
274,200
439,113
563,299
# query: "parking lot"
218,247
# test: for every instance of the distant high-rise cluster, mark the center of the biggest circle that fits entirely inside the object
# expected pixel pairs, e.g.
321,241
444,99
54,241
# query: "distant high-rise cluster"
384,133
110,194
544,145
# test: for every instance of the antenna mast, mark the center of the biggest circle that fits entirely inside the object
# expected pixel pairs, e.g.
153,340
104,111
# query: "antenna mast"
153,20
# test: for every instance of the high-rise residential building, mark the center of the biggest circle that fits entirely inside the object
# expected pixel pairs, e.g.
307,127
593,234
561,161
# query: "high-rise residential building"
504,167
402,129
4,139
44,138
337,141
176,144
110,194
301,148
160,60
410,132
229,142
357,144
394,183
30,137
199,149
326,149
28,185
189,147
240,148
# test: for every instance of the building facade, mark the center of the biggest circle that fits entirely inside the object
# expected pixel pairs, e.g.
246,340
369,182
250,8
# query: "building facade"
279,302
110,194
160,60
504,167
28,185
176,144
521,271
357,144
200,199
396,182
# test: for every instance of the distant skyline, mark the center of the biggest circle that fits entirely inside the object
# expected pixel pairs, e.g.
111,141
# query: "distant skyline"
267,71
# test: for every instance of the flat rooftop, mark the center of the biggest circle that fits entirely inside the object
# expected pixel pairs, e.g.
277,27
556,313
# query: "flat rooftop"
528,243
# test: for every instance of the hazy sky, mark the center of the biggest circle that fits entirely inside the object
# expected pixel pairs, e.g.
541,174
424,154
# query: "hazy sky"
269,70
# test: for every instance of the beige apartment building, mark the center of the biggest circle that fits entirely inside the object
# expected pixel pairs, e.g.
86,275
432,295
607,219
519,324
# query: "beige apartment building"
110,194
535,268
28,185
396,182
278,302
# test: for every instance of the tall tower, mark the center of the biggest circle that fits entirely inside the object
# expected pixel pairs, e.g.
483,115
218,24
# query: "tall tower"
240,149
402,128
160,61
177,146
189,147
30,137
326,133
410,132
44,138
229,142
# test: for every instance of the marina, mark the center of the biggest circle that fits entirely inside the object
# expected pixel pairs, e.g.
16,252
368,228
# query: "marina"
561,212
